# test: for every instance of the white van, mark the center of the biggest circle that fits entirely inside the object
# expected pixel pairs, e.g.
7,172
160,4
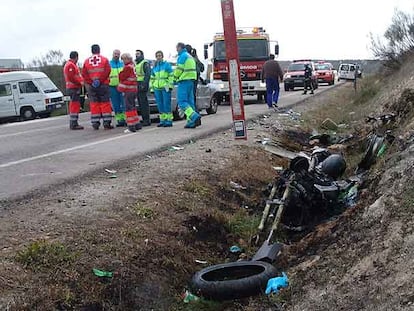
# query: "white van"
28,94
347,71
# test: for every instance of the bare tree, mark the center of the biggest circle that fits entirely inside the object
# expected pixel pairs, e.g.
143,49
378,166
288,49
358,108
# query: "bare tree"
52,65
399,40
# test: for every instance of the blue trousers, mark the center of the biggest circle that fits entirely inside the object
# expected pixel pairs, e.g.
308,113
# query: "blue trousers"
118,103
272,90
163,99
185,94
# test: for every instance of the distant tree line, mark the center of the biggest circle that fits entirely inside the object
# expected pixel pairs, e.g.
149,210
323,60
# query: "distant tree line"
52,65
398,42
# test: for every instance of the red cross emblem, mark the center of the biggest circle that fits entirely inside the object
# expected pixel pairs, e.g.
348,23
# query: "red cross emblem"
95,60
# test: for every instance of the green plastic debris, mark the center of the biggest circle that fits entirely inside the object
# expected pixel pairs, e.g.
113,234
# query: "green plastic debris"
188,297
102,273
382,150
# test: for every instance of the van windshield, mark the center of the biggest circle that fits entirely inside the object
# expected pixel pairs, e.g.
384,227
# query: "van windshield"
47,85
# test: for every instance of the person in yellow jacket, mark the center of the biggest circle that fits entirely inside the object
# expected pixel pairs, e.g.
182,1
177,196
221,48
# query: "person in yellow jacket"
184,75
162,83
117,100
143,70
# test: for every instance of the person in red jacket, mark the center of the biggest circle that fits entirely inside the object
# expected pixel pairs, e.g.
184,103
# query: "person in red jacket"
74,83
96,71
128,85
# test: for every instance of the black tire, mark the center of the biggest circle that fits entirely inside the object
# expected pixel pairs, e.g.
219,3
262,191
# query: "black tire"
27,113
286,88
178,114
213,106
232,280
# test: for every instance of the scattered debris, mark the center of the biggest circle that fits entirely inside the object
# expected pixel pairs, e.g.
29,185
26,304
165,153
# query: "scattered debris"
208,150
235,185
110,171
277,283
328,124
188,297
175,148
203,262
278,168
280,151
113,176
102,273
148,156
235,249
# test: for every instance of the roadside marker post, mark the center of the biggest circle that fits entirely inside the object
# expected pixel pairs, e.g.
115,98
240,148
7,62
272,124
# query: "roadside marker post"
233,65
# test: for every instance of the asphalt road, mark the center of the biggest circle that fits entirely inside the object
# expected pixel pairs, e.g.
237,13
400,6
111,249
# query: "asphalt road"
43,152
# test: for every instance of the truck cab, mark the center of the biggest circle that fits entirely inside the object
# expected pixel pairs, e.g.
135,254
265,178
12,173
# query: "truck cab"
254,50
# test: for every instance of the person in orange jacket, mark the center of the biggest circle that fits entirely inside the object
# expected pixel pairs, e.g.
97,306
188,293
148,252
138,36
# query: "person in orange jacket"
128,85
96,71
74,83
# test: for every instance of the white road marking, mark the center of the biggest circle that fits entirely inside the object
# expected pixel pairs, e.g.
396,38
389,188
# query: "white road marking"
53,153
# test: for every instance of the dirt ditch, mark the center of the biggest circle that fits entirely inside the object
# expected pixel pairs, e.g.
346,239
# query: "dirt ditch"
170,215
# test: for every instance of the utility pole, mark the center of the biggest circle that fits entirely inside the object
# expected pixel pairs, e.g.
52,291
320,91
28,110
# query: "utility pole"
233,65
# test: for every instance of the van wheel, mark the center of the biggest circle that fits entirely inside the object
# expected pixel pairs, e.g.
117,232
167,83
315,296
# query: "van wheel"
178,114
27,113
213,106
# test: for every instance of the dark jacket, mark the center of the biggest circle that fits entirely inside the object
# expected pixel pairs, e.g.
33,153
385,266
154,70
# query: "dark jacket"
271,69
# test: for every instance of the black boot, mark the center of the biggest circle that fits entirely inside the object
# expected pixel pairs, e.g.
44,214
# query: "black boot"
96,125
75,126
108,126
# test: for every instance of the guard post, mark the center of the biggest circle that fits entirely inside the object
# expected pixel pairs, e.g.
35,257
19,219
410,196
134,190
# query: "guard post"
233,65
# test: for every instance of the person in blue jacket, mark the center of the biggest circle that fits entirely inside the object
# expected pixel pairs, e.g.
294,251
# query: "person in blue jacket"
117,100
161,82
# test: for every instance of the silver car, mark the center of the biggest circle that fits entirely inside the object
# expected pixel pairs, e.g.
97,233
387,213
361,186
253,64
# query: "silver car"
206,99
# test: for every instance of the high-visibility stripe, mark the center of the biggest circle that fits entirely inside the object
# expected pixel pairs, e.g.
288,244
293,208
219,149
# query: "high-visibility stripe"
125,86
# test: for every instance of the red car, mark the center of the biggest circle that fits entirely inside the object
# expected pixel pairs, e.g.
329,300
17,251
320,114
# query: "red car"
325,73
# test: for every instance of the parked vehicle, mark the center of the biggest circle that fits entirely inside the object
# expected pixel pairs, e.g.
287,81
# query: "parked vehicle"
206,99
254,51
295,75
349,71
27,94
325,72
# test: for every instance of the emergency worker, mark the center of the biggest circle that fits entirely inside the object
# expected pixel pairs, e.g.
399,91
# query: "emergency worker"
128,86
117,100
96,71
74,83
308,80
184,75
162,83
273,75
199,70
143,70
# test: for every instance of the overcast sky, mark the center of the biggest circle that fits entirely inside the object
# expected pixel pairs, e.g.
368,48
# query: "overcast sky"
324,29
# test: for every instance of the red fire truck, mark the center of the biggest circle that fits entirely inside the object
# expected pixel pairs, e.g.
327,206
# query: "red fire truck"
254,50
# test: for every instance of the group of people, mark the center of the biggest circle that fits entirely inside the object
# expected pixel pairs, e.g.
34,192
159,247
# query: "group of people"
114,85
